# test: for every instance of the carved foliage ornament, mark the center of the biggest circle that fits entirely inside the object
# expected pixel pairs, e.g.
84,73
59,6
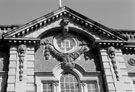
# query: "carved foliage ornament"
21,55
112,55
66,59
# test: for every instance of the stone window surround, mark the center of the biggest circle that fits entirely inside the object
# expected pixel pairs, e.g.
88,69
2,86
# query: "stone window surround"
42,77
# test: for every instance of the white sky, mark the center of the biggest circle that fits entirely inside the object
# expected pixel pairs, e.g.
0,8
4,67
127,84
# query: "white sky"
117,14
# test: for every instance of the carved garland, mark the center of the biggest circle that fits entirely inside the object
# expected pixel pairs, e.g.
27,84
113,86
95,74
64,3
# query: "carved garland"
21,55
66,59
111,53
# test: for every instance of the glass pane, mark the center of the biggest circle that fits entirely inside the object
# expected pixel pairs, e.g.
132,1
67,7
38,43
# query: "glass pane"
70,83
47,87
92,87
45,91
62,85
67,85
62,91
44,86
72,86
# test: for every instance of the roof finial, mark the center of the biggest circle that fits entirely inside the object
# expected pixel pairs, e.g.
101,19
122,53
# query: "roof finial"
60,4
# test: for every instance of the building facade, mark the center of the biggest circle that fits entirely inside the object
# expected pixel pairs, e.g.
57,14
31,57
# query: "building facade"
64,51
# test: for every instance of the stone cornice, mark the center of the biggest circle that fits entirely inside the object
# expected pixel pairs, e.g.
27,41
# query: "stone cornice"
70,14
28,41
130,34
125,45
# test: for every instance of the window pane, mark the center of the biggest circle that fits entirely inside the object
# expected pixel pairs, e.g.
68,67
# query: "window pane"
47,87
69,84
92,87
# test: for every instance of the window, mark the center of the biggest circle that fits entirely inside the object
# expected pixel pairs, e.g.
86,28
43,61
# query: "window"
69,83
92,87
47,87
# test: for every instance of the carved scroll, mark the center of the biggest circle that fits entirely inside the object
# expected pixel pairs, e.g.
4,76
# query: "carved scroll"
66,59
21,55
112,55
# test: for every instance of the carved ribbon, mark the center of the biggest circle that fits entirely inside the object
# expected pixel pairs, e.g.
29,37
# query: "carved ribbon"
111,53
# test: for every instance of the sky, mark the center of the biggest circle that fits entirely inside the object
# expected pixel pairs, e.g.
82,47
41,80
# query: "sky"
117,14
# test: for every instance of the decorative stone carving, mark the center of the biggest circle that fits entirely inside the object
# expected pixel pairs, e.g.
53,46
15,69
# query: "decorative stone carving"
66,59
131,62
65,25
21,55
112,54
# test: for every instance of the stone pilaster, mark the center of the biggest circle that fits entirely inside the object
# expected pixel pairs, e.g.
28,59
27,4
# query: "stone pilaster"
20,81
30,69
112,83
12,70
108,73
125,80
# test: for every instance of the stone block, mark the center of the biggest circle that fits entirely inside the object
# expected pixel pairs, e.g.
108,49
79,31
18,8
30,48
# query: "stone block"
128,87
30,57
30,49
104,53
30,72
30,79
20,87
105,59
120,59
121,65
12,64
126,79
30,52
12,71
129,91
108,72
13,52
30,87
13,57
111,91
111,87
10,87
30,64
13,48
109,79
123,72
119,53
106,65
11,79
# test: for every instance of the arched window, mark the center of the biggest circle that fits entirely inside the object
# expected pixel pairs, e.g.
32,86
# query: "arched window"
69,83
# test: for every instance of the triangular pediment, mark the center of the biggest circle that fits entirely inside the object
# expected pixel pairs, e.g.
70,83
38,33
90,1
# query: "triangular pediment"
53,19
